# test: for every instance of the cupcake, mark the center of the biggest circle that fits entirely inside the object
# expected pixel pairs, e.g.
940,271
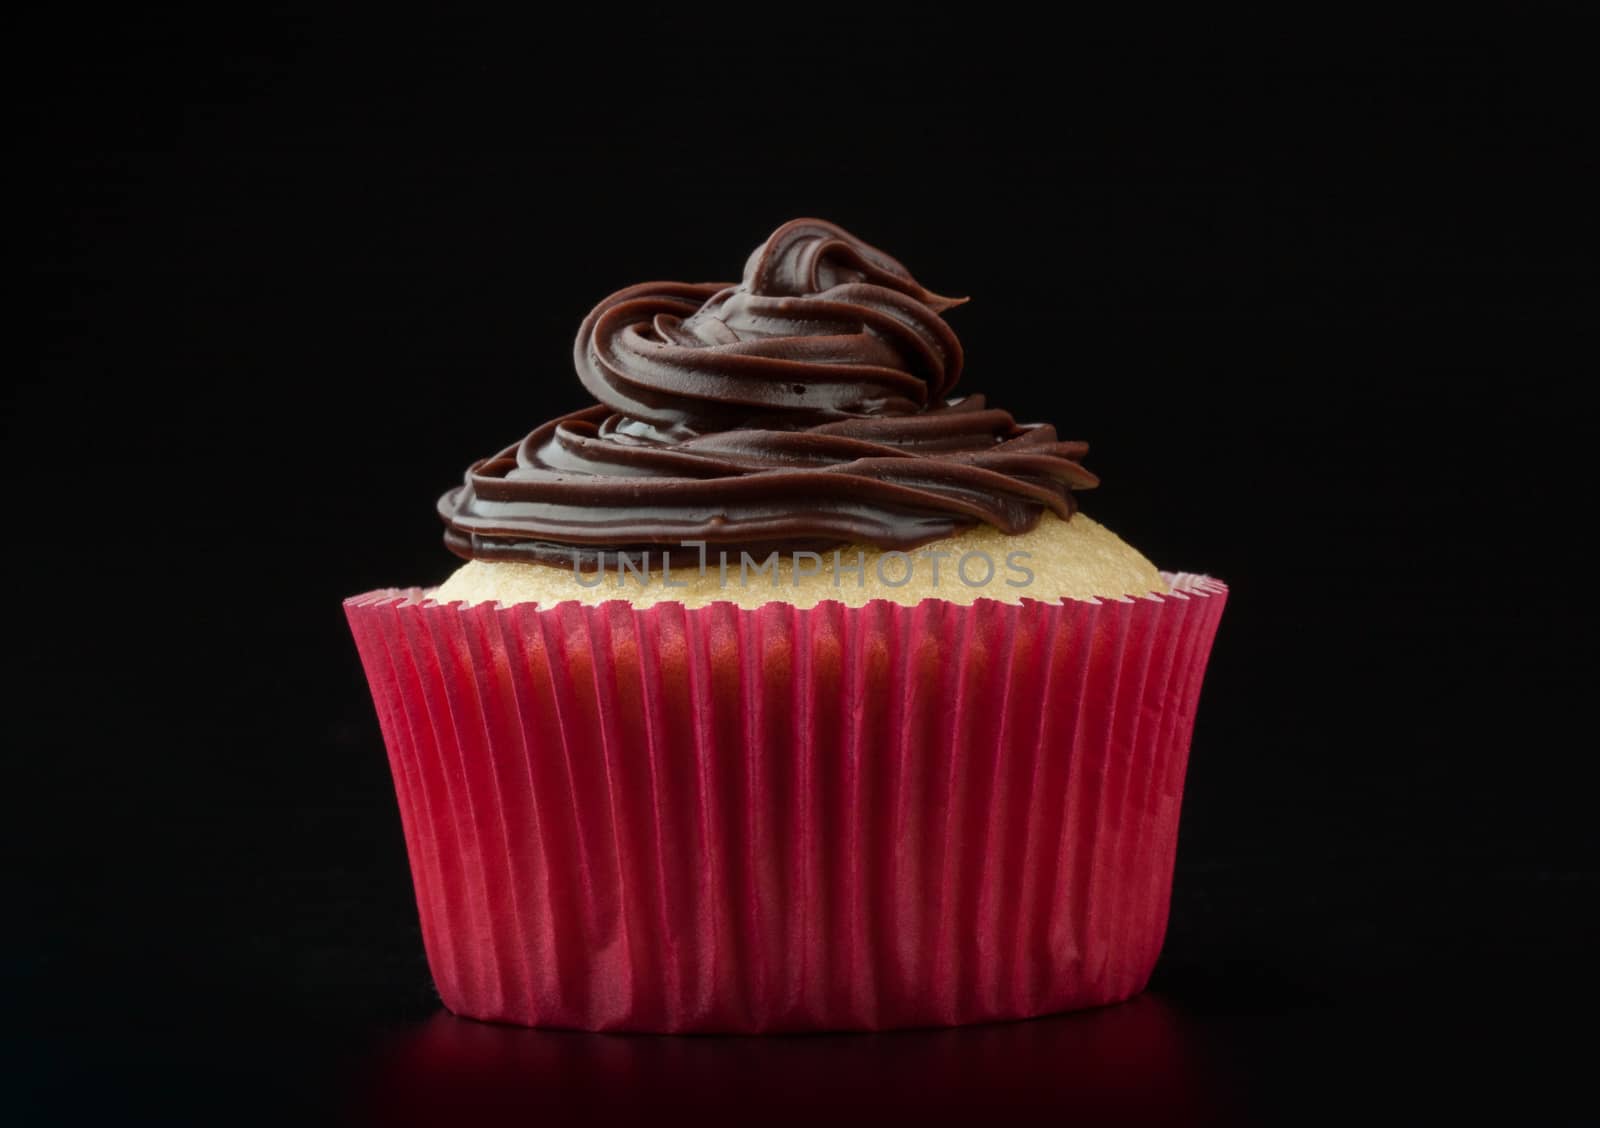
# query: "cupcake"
786,688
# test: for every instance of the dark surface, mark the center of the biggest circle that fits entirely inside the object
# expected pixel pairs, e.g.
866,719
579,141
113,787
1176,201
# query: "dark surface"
1315,309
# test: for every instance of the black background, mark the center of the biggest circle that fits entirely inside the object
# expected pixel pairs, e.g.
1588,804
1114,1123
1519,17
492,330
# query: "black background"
1314,304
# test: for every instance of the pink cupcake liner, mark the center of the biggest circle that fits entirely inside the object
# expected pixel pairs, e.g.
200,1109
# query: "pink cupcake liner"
726,820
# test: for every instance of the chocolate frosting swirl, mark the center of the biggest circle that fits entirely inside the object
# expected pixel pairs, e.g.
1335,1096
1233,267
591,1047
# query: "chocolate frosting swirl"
808,405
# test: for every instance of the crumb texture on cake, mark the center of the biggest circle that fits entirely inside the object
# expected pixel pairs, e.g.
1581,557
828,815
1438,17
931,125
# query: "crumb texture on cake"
1071,559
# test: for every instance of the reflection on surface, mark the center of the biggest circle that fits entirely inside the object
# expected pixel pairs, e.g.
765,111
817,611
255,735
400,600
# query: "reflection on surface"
1133,1063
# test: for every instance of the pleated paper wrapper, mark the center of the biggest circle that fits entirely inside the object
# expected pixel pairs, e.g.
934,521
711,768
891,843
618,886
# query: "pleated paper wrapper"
727,820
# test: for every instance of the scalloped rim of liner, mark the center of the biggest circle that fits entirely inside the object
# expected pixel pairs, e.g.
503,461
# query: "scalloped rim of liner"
1181,586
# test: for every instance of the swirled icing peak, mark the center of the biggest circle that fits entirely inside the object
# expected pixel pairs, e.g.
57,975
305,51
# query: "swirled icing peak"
807,405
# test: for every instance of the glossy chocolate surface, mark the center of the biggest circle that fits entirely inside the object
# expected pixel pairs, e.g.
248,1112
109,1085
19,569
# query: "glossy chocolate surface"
808,405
